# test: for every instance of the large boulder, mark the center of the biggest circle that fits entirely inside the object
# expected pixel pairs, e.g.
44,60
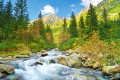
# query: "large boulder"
71,61
69,52
6,69
74,60
44,54
62,60
111,69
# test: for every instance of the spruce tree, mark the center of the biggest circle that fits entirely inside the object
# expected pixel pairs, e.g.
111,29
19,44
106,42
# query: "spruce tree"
81,25
104,29
91,18
21,14
64,25
1,13
41,26
8,19
104,15
73,27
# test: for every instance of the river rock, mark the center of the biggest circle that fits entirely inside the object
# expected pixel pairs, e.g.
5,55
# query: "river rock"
42,60
62,60
71,61
44,54
5,70
77,51
43,51
39,63
52,61
21,56
74,60
38,53
96,65
69,52
9,57
56,49
111,69
36,63
88,63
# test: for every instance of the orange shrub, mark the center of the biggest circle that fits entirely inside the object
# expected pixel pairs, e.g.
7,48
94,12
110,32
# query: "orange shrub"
64,37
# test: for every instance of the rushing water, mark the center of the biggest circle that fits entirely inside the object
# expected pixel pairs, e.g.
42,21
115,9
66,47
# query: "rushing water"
25,69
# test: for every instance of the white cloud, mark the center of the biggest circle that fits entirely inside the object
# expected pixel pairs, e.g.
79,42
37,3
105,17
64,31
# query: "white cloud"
86,3
72,5
49,9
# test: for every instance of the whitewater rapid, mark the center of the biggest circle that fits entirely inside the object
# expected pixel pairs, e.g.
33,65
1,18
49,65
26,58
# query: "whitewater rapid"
26,70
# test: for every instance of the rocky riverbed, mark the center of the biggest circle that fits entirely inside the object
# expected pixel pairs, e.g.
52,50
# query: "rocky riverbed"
61,63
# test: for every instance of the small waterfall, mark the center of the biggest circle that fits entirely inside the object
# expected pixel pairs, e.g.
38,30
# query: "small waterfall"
33,69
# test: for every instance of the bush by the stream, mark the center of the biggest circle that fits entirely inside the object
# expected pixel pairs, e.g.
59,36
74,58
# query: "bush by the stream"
109,50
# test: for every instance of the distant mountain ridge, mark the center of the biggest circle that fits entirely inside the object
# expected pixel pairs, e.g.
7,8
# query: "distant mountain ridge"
50,18
112,6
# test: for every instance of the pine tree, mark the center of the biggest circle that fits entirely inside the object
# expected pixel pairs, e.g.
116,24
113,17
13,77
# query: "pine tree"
81,25
104,15
41,26
73,27
64,25
105,27
1,13
91,18
21,14
8,19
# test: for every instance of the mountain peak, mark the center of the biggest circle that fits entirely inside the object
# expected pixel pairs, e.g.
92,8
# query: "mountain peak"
52,18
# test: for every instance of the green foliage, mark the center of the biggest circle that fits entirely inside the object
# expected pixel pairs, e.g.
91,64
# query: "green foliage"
21,14
82,25
104,15
73,27
64,25
67,45
91,18
41,27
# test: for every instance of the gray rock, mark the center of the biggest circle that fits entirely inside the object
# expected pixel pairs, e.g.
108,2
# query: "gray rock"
111,69
21,56
6,68
52,61
71,61
39,63
43,51
44,54
69,52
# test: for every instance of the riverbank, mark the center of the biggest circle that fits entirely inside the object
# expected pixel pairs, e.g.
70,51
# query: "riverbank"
97,61
75,59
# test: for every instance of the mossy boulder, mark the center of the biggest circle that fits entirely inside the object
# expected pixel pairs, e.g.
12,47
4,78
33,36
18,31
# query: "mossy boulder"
111,69
72,61
6,70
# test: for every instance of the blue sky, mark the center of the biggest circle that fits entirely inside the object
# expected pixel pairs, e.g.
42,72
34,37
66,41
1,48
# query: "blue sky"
61,8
